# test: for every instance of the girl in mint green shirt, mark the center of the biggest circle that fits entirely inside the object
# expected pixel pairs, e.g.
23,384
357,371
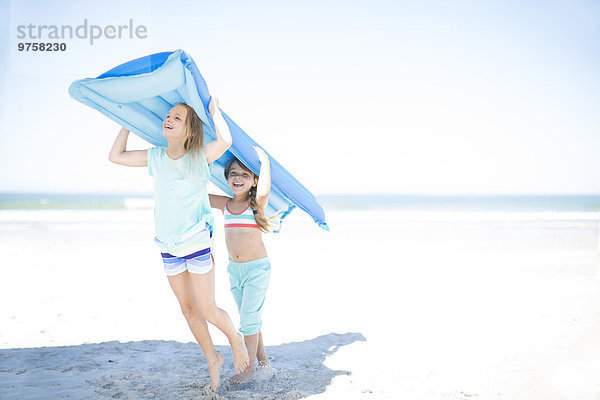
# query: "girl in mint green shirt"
184,223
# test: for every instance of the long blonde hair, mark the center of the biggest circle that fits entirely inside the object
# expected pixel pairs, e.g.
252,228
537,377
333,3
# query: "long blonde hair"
264,223
195,138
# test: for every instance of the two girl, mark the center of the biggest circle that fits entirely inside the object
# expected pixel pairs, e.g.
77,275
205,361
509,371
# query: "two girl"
184,222
184,227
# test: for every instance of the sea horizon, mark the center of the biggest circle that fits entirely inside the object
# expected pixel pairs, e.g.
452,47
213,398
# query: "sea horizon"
340,201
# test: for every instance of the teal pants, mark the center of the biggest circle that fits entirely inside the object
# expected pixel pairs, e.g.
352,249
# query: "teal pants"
249,282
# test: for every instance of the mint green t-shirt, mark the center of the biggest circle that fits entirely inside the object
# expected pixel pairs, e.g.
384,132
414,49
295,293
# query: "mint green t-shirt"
181,200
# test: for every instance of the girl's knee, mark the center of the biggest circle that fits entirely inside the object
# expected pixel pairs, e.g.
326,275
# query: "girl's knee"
209,313
188,308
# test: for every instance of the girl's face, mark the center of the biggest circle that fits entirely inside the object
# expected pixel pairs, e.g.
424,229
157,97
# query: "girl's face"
240,181
174,125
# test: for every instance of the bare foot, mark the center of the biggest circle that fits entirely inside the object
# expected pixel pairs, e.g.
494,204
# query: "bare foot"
244,376
240,354
214,370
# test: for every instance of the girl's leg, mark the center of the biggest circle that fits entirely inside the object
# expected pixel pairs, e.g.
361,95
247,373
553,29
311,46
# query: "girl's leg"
204,290
253,291
261,354
251,342
182,287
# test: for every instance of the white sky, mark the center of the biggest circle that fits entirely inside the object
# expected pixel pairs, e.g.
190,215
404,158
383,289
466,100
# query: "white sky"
434,97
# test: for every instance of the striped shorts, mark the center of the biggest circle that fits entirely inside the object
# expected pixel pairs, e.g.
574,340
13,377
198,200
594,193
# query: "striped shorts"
193,254
199,262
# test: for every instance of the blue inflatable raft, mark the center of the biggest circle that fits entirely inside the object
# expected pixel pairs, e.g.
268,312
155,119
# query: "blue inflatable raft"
139,94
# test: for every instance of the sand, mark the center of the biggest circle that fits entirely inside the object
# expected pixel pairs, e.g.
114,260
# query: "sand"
388,305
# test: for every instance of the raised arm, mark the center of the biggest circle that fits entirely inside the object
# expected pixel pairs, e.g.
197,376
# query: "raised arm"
263,188
218,201
119,154
217,147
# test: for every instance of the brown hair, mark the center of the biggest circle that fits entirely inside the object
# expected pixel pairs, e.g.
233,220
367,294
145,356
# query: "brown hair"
264,223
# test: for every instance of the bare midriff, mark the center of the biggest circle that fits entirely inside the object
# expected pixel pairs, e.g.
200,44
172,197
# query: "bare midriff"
245,244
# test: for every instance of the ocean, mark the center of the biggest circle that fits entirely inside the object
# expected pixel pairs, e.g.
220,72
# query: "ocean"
548,221
533,203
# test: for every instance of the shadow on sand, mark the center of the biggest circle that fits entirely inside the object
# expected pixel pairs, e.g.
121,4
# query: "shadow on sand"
163,370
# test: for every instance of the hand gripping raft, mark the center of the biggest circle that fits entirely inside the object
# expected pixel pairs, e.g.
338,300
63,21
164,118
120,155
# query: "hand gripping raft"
139,94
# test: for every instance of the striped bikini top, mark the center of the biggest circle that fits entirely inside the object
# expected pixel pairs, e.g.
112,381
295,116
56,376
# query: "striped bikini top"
245,219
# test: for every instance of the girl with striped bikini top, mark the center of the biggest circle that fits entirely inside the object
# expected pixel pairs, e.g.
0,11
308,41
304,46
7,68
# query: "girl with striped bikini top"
249,267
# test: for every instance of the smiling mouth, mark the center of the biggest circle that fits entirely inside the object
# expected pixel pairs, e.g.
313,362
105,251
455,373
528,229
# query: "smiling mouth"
168,126
237,185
